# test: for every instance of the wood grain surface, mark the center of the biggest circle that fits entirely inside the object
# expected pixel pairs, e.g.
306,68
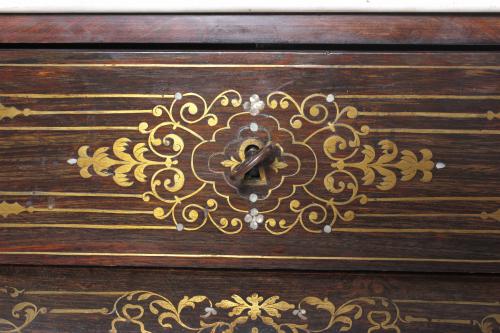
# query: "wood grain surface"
83,300
367,29
417,190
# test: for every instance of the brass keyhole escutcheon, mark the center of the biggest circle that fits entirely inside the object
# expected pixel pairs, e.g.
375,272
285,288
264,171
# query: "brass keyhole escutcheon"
256,176
256,155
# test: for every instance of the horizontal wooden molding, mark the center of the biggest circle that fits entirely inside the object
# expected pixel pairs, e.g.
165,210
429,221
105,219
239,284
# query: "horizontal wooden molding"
417,29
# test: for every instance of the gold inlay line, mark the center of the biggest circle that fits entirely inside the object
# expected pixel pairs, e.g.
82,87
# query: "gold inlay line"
160,96
13,112
70,194
139,196
79,311
473,97
452,321
490,115
89,226
90,210
170,227
419,215
69,129
236,256
120,293
44,113
417,231
57,96
418,301
36,112
424,199
64,292
305,66
434,131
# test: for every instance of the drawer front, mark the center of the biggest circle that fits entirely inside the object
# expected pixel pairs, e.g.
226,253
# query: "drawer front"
82,300
285,160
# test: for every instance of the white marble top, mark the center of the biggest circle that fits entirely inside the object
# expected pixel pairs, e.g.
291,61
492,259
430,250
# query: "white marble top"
240,6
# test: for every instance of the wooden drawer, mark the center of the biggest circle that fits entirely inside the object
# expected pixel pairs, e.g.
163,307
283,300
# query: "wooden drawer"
83,300
380,161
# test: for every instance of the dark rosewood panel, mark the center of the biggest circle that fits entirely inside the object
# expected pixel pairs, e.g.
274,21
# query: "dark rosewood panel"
251,29
386,160
138,300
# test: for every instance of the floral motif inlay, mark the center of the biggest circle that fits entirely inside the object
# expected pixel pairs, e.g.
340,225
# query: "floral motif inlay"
304,186
150,312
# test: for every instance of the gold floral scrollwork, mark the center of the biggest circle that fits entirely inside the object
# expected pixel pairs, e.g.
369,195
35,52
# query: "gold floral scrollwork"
151,312
104,165
161,159
324,164
332,128
255,307
312,109
23,313
250,313
408,164
489,324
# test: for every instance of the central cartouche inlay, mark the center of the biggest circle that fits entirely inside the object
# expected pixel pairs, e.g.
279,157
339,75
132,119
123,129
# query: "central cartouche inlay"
322,167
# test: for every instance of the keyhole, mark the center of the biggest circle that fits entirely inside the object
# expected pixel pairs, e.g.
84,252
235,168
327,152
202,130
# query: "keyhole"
254,173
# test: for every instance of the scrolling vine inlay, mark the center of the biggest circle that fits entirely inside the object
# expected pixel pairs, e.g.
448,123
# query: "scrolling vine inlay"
174,153
341,141
150,311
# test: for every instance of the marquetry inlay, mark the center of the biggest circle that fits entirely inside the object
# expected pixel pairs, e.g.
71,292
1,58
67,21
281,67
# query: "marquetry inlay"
295,192
150,311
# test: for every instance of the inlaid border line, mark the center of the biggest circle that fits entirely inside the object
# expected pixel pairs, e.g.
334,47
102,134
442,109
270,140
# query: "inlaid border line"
412,319
169,227
64,311
69,129
32,209
419,301
434,131
161,96
120,293
242,256
136,128
482,215
417,231
164,227
424,199
70,194
303,66
459,97
63,96
30,113
489,115
73,293
88,226
139,196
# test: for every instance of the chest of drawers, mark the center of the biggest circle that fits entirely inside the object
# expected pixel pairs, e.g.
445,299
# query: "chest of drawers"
281,189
